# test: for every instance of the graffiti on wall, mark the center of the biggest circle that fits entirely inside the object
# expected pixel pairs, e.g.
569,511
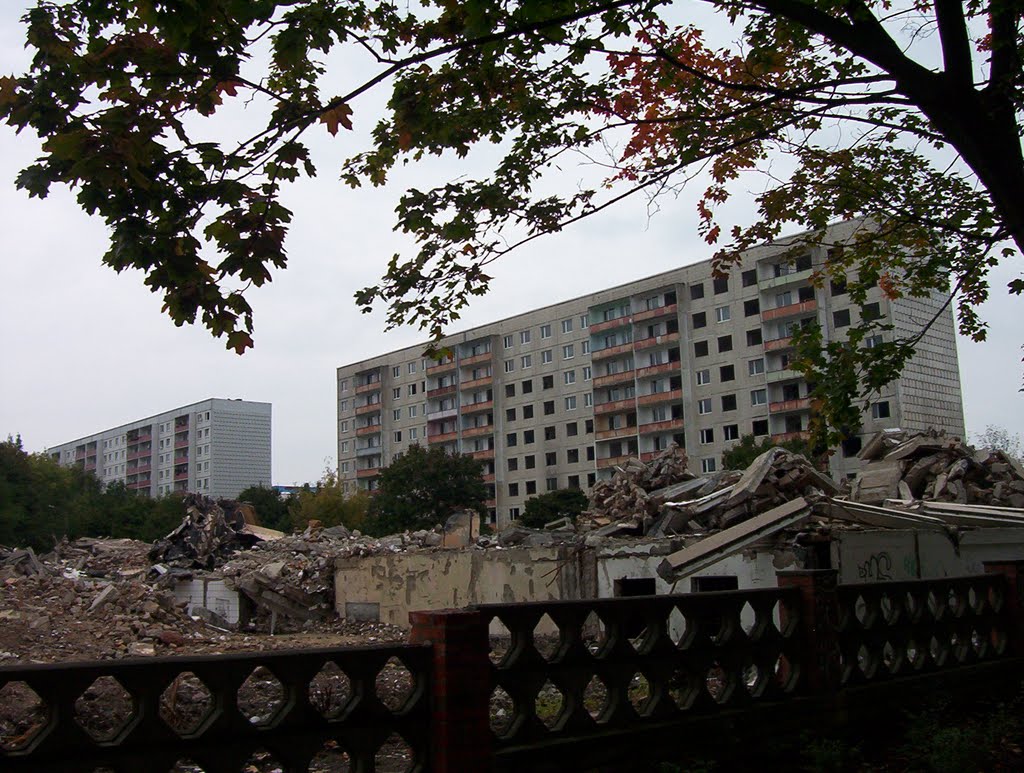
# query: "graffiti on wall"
877,567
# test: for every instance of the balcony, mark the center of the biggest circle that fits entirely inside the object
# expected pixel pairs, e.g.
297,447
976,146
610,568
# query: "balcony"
443,437
371,429
142,438
785,436
370,472
616,406
661,426
141,453
611,461
662,340
371,386
487,453
181,459
611,434
180,476
660,397
181,442
622,377
793,309
783,374
476,359
664,311
138,470
441,391
610,324
795,277
362,410
489,478
787,406
80,455
439,415
471,408
778,344
472,432
477,382
139,484
657,370
368,451
611,351
441,367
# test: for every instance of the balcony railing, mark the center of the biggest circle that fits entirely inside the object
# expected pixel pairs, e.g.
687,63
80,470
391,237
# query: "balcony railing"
663,311
778,344
181,442
611,379
371,429
441,367
611,434
655,370
363,410
780,312
441,391
661,426
443,437
610,324
615,406
788,406
476,359
782,374
611,351
611,461
477,382
471,432
783,437
662,340
487,453
471,408
372,386
660,397
436,414
784,280
368,472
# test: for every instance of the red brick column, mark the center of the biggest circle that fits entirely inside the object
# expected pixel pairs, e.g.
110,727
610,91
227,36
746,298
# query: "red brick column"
1013,602
816,627
460,701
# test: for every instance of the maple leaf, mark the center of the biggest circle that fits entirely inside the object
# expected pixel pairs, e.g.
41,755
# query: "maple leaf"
8,86
338,115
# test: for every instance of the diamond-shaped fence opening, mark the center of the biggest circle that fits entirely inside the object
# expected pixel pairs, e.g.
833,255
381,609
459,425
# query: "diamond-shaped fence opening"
750,622
394,684
975,600
104,709
684,689
785,674
785,616
754,680
639,692
261,697
639,633
979,644
261,761
679,629
500,639
863,610
719,683
330,759
938,650
995,598
959,646
330,690
594,632
912,607
548,705
957,602
890,608
595,697
916,654
186,766
866,661
546,637
23,715
892,657
393,756
936,606
185,703
502,711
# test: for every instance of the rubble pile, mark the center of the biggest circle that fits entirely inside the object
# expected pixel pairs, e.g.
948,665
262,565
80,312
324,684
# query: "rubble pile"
210,532
932,466
92,557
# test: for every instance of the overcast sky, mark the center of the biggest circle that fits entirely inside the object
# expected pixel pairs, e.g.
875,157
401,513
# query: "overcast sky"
85,349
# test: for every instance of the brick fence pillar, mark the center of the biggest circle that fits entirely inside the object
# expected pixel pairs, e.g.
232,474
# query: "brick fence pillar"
460,723
821,670
1013,602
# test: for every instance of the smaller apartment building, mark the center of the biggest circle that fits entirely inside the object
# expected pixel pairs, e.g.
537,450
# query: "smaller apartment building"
557,396
215,447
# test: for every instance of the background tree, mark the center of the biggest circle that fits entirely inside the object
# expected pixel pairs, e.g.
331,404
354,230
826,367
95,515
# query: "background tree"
749,448
552,505
422,487
1000,439
906,116
271,508
329,503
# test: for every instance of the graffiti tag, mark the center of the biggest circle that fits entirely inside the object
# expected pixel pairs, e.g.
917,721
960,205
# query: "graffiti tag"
877,567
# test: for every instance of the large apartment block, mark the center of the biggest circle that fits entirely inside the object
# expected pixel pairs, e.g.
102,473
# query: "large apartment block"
556,397
215,447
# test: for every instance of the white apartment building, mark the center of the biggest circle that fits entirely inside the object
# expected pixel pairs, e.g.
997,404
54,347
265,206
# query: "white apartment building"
216,447
556,397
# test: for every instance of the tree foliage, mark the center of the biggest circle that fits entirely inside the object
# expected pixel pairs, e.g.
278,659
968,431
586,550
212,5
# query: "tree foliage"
749,448
1000,439
329,503
907,116
422,487
41,501
271,508
552,505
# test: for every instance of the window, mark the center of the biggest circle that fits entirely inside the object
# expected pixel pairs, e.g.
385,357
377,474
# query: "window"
511,439
545,331
550,459
571,429
700,349
549,407
569,377
872,341
837,286
749,277
721,285
871,312
755,367
528,411
852,446
545,357
531,487
398,436
880,410
588,426
524,336
396,393
728,402
590,453
526,361
727,373
703,377
722,314
754,337
700,319
527,387
513,489
697,291
759,397
510,390
528,436
708,464
588,399
396,414
413,433
707,436
510,414
513,513
731,431
396,371
573,481
510,365
570,403
410,390
344,426
549,433
584,321
568,352
548,382
345,466
507,342
413,410
551,484
585,347
343,385
587,373
529,462
411,368
566,325
841,318
724,344
751,307
704,406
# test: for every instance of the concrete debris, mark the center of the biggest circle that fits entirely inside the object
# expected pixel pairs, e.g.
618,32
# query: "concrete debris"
931,466
210,532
